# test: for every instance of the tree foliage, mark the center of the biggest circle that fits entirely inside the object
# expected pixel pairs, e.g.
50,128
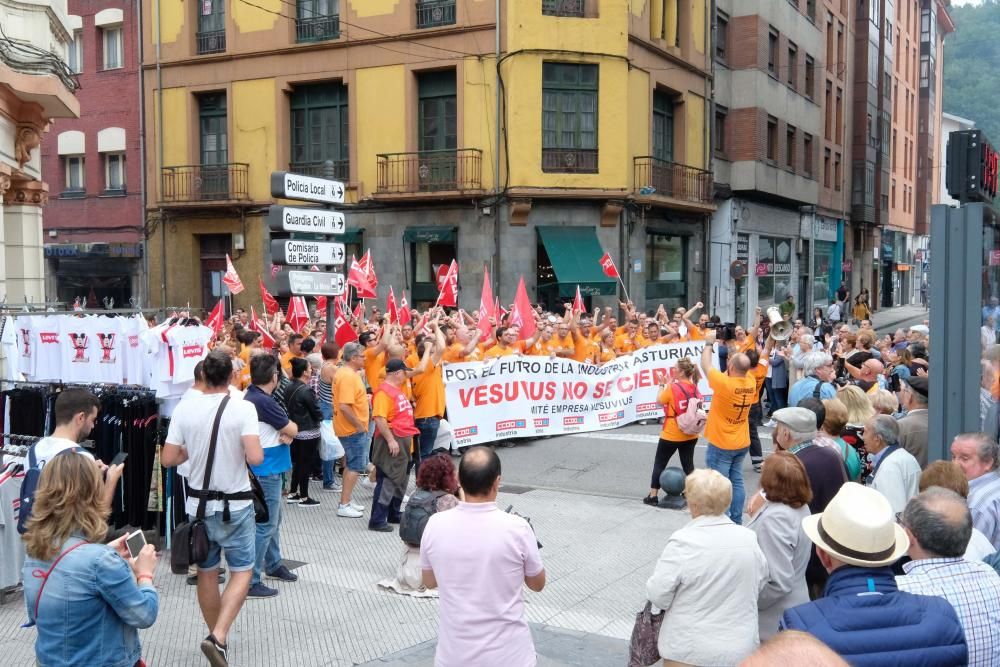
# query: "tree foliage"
972,66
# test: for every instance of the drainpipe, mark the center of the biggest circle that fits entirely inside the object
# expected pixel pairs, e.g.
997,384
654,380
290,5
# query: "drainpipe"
710,157
496,159
159,161
144,286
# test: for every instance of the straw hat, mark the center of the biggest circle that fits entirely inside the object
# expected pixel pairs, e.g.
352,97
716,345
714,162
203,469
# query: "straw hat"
858,527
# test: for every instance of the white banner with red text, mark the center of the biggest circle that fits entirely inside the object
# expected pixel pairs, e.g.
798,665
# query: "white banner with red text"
525,396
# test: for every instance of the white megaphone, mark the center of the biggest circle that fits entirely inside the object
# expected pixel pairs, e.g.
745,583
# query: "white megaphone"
780,329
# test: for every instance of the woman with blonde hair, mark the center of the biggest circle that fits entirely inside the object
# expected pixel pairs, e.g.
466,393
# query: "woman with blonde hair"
674,397
859,408
884,402
605,351
87,599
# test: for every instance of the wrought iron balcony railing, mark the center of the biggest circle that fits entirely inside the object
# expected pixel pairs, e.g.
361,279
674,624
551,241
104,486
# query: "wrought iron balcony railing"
570,160
213,41
317,168
317,28
434,13
563,8
204,183
660,177
453,170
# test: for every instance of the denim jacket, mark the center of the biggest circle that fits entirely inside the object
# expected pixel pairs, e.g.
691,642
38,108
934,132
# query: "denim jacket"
90,610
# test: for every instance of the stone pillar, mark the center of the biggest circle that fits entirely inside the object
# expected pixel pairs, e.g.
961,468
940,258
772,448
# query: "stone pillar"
5,183
23,251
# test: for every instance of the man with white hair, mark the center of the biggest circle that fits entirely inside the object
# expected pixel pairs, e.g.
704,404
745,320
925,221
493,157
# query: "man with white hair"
895,472
977,455
817,382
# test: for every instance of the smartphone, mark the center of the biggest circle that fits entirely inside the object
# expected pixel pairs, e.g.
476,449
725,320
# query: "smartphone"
119,458
135,542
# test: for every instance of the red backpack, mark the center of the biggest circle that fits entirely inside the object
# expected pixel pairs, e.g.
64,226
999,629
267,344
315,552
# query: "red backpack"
692,419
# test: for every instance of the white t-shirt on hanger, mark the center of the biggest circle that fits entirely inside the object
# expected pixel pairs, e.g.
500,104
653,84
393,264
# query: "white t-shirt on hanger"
46,346
110,351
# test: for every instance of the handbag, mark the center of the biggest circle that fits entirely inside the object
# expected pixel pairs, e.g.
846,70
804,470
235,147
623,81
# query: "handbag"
642,649
330,448
189,542
261,513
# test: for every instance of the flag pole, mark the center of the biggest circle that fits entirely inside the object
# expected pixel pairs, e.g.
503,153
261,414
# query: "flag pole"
624,289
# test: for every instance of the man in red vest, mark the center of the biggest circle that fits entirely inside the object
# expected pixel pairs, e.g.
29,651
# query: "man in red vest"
395,428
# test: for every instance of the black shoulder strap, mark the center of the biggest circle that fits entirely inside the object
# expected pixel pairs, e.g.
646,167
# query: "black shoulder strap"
207,481
818,388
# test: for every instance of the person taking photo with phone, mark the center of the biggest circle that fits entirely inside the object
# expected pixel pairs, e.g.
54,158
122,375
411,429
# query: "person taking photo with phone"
86,599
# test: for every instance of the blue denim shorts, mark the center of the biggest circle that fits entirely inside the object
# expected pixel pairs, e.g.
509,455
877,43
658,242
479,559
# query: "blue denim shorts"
356,451
236,538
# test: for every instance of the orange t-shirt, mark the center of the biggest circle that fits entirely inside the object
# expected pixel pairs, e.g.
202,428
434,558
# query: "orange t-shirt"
583,348
453,353
624,345
671,431
759,373
428,389
747,345
497,351
348,388
695,333
374,367
728,425
607,355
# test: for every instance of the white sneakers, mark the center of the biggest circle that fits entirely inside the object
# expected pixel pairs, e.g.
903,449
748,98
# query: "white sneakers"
350,511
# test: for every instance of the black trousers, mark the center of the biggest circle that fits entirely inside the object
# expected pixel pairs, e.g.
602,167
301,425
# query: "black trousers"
756,452
305,453
665,451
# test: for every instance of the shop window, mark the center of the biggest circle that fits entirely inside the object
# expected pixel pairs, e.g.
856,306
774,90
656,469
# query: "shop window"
773,270
426,262
666,270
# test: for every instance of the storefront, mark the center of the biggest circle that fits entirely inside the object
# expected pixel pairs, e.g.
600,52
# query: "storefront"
93,272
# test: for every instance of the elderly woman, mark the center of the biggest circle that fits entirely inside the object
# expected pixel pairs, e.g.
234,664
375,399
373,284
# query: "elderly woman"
859,411
884,402
708,580
833,425
778,525
87,599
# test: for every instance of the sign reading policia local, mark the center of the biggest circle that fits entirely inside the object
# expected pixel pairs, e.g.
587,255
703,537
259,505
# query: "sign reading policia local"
314,221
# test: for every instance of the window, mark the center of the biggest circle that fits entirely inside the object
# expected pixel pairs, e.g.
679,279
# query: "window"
841,63
211,37
807,155
839,130
826,167
894,142
666,270
772,138
569,117
425,260
773,270
828,112
437,129
74,176
571,8
112,40
663,126
319,129
721,35
434,13
213,147
114,173
772,52
811,9
836,172
810,77
829,43
790,147
317,20
74,52
894,193
858,184
792,65
720,130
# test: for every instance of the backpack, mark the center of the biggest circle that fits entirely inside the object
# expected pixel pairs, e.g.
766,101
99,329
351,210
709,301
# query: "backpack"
419,509
818,388
692,420
30,483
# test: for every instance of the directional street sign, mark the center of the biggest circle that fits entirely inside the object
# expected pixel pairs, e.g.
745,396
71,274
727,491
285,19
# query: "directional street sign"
306,188
309,283
311,220
306,253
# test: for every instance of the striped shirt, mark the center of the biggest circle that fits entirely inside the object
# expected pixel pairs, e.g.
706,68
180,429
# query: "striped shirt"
984,504
973,589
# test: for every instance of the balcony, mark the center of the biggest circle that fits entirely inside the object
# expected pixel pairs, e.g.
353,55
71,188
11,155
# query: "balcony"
317,28
192,184
212,41
572,8
454,170
435,13
317,168
569,160
669,179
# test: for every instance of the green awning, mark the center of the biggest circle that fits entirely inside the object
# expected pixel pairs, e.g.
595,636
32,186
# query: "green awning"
575,254
429,234
351,235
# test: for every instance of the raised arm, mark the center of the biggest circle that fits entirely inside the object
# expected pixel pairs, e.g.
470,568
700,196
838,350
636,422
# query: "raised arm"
755,326
706,352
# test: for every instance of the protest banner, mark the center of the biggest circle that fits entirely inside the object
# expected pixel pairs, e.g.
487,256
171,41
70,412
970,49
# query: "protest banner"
527,396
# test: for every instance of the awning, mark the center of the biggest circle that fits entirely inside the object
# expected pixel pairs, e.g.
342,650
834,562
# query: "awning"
575,254
350,235
429,234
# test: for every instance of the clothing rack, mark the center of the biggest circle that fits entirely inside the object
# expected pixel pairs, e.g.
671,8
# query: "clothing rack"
23,442
13,310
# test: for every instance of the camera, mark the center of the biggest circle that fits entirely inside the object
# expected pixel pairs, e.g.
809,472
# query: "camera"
726,332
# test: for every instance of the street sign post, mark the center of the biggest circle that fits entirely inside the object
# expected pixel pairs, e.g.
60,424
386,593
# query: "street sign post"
299,252
309,283
287,185
309,220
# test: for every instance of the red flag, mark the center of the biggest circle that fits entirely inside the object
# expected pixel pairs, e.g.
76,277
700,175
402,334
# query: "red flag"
390,307
343,332
270,303
578,306
298,313
369,267
523,315
404,310
257,325
231,278
608,266
359,311
321,306
421,323
486,306
448,296
217,318
358,277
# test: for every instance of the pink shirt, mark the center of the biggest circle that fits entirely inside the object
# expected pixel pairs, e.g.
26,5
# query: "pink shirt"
480,557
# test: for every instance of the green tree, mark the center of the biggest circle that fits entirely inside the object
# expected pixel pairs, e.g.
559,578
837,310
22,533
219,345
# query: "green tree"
972,66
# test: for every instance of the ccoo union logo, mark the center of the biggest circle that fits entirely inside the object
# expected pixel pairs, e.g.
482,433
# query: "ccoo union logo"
642,407
511,424
541,422
572,421
606,417
466,431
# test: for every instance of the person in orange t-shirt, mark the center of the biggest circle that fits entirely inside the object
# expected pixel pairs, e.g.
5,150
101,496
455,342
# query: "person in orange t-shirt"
758,371
728,429
672,438
508,344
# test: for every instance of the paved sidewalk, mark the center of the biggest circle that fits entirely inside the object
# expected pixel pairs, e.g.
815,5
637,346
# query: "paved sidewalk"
890,318
598,553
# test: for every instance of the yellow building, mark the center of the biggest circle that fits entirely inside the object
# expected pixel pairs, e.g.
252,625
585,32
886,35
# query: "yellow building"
602,140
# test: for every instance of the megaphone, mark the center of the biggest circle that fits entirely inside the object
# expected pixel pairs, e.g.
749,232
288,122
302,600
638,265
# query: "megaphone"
780,329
